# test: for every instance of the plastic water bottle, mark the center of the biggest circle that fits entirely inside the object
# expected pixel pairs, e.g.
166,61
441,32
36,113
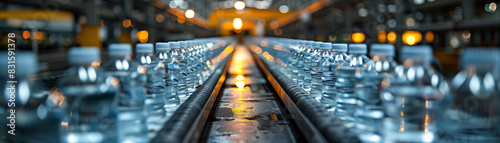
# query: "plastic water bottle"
330,64
474,116
91,99
170,78
178,59
187,66
132,78
323,53
346,81
369,112
156,96
413,106
296,67
25,102
308,55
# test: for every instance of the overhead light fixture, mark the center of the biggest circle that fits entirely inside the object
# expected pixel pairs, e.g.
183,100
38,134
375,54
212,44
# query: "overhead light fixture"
189,13
239,5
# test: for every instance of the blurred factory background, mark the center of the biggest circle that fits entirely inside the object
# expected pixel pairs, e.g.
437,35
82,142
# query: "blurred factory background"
50,27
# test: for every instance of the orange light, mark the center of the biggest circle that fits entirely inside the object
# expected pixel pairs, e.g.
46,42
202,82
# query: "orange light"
142,36
391,37
357,37
429,37
159,18
237,23
274,24
412,37
39,35
382,37
278,32
126,23
181,20
26,34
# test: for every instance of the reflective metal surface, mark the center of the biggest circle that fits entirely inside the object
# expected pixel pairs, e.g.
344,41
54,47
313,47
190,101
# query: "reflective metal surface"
248,110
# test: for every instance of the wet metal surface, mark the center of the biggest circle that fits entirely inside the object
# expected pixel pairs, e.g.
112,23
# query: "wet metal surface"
247,110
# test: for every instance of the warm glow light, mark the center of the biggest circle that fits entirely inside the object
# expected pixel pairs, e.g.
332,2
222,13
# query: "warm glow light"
142,36
39,35
181,20
429,37
237,23
64,123
278,32
382,38
412,37
159,18
357,37
26,34
274,24
240,77
239,5
391,37
126,23
189,13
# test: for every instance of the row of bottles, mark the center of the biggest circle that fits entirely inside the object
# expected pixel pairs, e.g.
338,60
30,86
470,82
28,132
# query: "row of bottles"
126,98
382,100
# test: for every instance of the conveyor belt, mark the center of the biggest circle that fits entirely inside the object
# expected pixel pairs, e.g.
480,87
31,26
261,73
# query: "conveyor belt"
248,109
247,101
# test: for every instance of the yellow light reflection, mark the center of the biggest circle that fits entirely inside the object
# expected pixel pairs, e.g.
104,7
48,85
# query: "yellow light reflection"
391,37
382,38
142,36
64,123
240,84
412,37
240,77
357,37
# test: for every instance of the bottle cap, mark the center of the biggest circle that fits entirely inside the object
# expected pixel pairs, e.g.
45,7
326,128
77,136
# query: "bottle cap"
174,45
357,49
309,43
339,47
162,46
325,46
484,59
419,53
183,43
144,48
26,63
83,55
119,50
383,50
316,44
